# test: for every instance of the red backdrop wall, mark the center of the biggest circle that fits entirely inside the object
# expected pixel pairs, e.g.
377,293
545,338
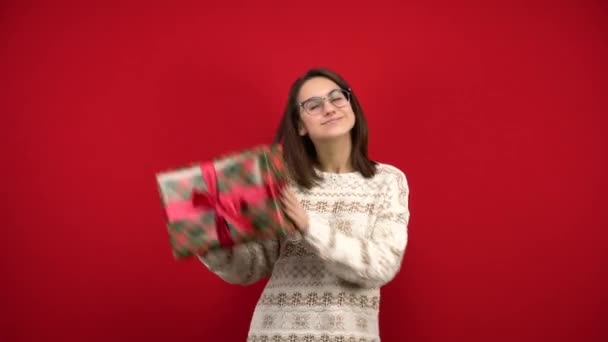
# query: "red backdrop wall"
497,114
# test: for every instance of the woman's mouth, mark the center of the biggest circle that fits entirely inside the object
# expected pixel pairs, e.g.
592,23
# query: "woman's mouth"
331,121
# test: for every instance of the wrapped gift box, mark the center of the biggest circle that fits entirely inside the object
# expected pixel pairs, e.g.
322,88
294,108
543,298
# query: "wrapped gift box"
226,201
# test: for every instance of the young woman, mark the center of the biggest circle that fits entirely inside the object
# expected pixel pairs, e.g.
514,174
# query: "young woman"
352,215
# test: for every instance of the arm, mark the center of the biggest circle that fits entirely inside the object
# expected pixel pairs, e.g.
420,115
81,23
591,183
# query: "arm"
244,264
367,262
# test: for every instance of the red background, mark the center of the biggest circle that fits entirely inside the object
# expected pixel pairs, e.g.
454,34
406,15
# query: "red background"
497,114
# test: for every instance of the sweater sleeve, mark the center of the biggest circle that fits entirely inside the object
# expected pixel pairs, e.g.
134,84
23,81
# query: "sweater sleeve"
243,264
373,261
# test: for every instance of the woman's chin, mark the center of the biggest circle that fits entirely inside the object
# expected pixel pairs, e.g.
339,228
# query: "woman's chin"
333,135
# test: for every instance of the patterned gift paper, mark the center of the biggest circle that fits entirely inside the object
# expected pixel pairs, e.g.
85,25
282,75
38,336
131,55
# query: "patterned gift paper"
244,182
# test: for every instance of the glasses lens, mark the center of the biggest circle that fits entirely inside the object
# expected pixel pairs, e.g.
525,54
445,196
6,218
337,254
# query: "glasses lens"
339,98
314,106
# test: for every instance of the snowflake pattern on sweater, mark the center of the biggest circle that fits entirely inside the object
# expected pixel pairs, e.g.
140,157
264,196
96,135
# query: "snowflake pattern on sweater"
324,286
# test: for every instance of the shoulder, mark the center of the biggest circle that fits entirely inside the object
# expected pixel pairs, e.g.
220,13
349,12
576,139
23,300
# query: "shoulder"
390,174
394,181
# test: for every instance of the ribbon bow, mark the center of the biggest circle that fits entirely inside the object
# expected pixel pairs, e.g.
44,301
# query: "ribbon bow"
227,206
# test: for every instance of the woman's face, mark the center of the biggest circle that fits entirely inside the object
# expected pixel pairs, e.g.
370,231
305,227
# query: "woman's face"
326,113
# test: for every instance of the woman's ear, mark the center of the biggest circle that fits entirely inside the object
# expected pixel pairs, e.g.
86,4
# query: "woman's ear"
301,129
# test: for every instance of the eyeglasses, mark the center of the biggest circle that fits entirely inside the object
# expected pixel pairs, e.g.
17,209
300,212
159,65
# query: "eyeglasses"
316,105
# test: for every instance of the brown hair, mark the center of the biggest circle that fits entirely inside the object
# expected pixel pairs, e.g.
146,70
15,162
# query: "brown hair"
299,152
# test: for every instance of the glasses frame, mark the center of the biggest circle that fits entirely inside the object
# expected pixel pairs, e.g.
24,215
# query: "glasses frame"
347,92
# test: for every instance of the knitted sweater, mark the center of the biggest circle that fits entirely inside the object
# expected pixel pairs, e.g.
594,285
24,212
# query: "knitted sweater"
324,286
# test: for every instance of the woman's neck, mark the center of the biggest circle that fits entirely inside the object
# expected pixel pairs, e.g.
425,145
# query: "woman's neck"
334,156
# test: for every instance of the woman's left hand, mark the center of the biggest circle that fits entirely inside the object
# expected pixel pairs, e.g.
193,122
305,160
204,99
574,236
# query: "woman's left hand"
294,209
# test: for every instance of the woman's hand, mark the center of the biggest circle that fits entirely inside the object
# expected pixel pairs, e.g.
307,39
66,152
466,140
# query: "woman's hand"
294,210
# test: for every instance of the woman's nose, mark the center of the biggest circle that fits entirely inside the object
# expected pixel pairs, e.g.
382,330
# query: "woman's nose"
328,108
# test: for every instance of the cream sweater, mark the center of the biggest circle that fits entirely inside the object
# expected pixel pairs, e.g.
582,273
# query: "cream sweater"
325,286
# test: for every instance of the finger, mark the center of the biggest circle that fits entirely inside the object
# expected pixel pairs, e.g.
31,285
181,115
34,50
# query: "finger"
290,209
285,201
285,195
292,198
291,215
287,206
288,194
288,200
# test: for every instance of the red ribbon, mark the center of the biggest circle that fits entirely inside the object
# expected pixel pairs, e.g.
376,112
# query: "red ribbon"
227,205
